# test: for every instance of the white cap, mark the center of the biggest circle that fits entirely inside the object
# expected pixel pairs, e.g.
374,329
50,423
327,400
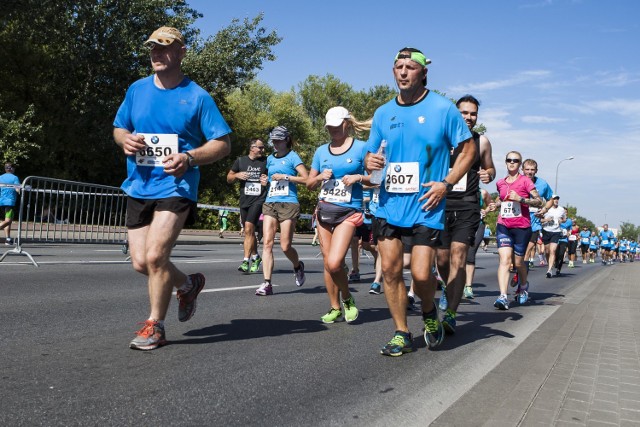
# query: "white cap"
336,115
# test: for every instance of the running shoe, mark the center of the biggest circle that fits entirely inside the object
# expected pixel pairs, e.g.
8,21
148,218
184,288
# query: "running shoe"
264,289
449,322
571,264
375,289
468,292
354,277
333,315
255,265
8,241
244,267
187,299
433,329
531,264
523,294
549,274
558,273
443,304
604,262
350,309
542,263
299,274
514,281
411,302
502,303
149,337
400,343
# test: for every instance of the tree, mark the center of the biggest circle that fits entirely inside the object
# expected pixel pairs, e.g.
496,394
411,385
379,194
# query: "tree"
70,62
629,231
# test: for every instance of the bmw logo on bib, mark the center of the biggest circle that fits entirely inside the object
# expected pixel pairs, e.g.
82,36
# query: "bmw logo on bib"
397,168
155,139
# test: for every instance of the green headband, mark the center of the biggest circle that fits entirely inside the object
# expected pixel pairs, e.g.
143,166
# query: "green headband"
415,56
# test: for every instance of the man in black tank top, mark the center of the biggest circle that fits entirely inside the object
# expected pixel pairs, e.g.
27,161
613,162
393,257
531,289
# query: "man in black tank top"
247,170
462,216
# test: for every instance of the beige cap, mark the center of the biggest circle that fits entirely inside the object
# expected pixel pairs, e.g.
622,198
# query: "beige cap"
165,36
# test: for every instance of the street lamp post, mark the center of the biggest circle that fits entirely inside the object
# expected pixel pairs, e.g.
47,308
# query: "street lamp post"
558,167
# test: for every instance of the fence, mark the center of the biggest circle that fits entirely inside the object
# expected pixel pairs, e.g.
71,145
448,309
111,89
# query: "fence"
59,211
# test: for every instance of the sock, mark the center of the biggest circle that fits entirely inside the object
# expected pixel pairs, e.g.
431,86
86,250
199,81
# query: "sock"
411,294
267,281
159,322
246,259
433,314
404,334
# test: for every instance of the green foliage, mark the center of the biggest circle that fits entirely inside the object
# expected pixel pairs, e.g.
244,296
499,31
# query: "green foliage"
629,231
17,135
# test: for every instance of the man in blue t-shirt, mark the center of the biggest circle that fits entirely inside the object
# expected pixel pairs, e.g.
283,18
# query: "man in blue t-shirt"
530,169
420,128
167,126
607,242
8,197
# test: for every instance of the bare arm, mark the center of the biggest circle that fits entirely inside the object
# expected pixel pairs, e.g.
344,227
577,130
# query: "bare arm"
487,170
215,149
129,142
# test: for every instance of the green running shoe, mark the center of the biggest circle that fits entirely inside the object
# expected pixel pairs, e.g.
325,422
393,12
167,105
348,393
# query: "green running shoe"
350,309
244,267
255,265
333,315
400,343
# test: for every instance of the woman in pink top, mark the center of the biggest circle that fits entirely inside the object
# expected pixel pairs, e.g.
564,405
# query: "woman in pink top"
513,231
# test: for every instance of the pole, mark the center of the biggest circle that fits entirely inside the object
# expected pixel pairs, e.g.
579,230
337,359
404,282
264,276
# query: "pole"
555,188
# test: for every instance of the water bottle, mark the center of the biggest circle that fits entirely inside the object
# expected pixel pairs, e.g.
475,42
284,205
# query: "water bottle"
376,176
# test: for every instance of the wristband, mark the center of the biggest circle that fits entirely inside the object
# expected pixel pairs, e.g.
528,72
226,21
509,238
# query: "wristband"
286,177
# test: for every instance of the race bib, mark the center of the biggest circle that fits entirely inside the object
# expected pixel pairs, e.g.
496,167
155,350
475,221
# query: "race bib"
460,185
375,197
158,147
279,188
573,237
605,242
252,188
402,177
334,190
585,241
510,209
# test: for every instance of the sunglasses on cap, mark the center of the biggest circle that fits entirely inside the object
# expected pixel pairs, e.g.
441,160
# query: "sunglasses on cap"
512,160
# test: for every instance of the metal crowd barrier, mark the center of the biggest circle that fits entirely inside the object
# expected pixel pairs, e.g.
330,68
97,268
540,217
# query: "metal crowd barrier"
59,211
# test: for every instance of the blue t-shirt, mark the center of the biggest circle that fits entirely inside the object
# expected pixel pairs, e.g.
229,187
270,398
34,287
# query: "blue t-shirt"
186,110
351,162
565,228
606,238
594,241
545,192
8,195
284,165
419,135
585,235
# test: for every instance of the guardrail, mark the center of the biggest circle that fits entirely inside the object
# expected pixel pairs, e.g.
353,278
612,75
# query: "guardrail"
59,211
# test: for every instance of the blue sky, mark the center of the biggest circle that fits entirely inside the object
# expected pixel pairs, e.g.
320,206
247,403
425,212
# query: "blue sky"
556,78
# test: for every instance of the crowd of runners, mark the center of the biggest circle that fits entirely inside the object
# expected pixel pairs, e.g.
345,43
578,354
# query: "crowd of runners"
410,194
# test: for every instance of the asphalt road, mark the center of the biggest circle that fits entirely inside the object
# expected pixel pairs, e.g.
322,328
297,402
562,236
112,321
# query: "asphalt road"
242,360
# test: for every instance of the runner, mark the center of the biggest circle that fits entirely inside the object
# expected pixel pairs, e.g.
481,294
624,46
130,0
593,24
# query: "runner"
281,208
573,242
516,192
420,128
250,170
530,169
485,203
462,216
338,169
563,244
594,244
551,231
162,182
584,236
606,245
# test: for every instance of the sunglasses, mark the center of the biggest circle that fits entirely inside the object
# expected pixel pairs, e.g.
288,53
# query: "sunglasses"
513,160
258,147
